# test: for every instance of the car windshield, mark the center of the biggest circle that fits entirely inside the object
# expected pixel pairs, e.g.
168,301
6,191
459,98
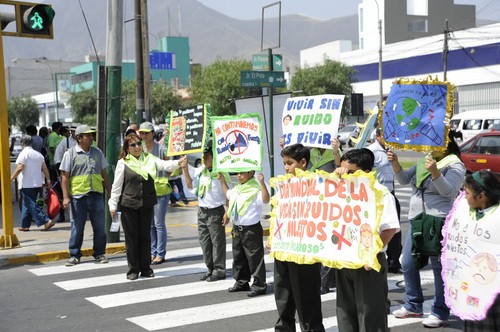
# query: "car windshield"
348,128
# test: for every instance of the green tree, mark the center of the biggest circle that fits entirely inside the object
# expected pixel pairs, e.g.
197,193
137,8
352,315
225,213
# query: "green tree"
128,100
84,107
23,112
219,83
163,100
332,77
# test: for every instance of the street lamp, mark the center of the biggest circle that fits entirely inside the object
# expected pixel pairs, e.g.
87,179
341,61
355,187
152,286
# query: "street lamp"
57,91
381,90
54,84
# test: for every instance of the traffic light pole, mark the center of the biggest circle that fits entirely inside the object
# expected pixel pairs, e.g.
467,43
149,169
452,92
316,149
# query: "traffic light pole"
8,239
33,20
271,116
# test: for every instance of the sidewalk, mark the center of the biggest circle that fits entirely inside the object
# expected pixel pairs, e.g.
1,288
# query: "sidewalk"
37,246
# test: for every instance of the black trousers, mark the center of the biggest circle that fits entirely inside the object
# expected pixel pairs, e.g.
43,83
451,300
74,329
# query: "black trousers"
137,228
297,287
361,297
394,246
248,256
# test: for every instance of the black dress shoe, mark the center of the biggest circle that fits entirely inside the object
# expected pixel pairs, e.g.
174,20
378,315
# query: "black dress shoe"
132,276
148,274
204,276
213,277
254,293
395,270
239,288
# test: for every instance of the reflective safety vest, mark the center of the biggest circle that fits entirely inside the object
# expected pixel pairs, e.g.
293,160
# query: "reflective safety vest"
162,186
85,175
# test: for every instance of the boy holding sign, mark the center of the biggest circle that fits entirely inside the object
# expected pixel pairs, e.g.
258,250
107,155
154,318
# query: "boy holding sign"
245,210
361,293
297,286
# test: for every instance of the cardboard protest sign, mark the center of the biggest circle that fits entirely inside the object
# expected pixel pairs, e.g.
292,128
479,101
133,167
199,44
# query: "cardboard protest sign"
312,121
187,130
416,115
320,217
237,144
366,128
470,258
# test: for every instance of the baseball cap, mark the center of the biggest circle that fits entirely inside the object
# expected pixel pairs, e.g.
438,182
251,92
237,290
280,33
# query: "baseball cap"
208,146
83,129
146,127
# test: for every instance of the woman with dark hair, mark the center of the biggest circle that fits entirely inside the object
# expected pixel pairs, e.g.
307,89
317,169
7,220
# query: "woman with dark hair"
482,191
134,193
436,180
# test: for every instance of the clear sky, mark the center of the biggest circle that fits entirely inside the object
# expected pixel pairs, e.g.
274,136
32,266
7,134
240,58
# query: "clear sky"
324,9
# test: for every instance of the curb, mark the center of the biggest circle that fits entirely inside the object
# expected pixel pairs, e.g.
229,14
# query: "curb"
57,255
64,254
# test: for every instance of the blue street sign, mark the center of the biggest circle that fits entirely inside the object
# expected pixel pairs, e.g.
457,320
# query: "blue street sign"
162,60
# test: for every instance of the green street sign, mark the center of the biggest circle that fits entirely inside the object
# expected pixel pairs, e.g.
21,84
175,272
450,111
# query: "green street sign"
262,79
261,62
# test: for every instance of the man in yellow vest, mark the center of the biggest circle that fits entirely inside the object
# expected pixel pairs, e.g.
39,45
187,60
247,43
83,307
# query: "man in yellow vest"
84,178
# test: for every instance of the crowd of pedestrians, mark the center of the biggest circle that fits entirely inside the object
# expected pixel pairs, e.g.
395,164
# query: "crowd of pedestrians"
68,155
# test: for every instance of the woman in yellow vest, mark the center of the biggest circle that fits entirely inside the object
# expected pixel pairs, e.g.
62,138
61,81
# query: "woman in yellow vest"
133,191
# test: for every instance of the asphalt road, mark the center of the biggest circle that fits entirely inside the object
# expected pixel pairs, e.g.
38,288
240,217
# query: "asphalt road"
90,297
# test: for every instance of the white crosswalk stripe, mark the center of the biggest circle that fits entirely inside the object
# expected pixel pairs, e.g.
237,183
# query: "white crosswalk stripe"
147,290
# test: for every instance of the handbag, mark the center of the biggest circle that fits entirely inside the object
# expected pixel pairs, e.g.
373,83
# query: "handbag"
426,234
53,204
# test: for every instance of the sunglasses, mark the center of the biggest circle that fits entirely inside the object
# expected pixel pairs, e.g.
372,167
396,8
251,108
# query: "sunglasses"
134,145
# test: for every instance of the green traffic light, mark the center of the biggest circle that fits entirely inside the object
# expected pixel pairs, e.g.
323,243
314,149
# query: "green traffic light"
38,18
37,21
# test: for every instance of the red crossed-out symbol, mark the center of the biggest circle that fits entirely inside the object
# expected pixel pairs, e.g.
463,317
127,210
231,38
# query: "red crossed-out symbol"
341,238
278,229
237,141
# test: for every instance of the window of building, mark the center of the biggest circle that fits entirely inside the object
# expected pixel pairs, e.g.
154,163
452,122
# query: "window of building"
418,25
81,78
417,7
361,23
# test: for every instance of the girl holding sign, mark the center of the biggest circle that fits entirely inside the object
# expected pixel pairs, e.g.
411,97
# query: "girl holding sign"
436,180
482,191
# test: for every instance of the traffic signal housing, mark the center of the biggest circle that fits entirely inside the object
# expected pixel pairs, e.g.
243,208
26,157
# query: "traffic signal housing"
37,20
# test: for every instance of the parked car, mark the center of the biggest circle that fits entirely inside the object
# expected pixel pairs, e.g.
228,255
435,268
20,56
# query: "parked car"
15,152
346,133
482,152
195,159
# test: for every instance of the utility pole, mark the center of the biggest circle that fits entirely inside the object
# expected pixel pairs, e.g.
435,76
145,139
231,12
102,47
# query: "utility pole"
445,50
380,76
139,64
114,46
145,60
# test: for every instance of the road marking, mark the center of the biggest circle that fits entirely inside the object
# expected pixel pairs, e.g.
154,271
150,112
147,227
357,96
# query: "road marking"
120,278
164,293
182,317
86,266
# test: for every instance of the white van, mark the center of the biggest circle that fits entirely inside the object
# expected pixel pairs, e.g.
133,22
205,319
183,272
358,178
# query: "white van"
471,123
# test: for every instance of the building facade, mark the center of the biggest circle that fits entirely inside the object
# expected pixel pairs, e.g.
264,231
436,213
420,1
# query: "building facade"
410,19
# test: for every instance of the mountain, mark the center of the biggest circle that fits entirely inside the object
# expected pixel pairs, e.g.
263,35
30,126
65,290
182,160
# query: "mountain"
211,33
